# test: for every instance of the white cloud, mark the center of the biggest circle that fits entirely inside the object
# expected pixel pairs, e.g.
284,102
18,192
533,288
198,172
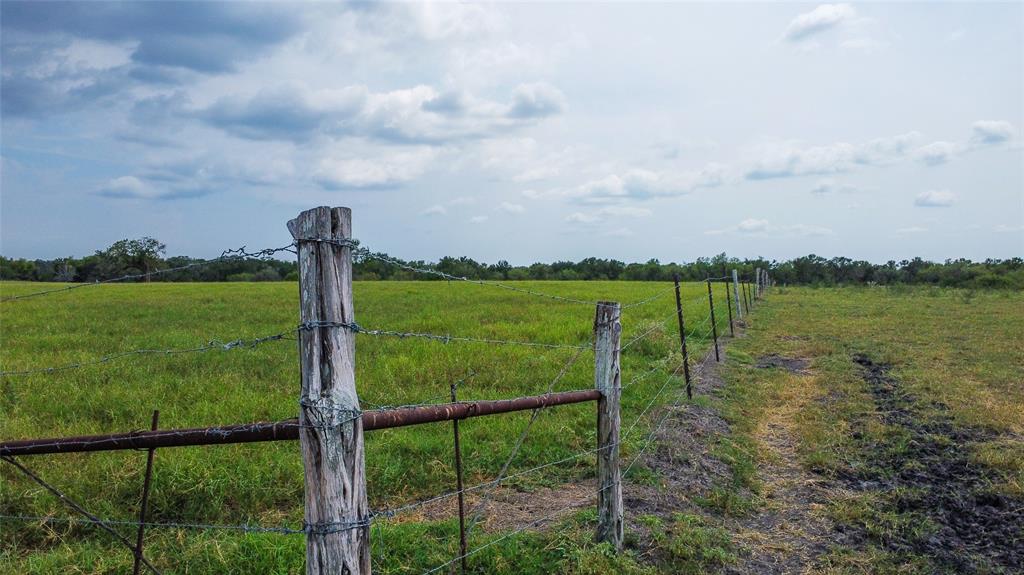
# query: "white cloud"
537,100
639,184
911,230
789,159
936,153
786,159
752,225
435,210
830,186
582,218
537,173
128,187
445,20
935,199
417,115
608,213
154,185
991,132
463,201
478,219
387,170
625,211
524,159
822,18
1003,228
761,227
510,208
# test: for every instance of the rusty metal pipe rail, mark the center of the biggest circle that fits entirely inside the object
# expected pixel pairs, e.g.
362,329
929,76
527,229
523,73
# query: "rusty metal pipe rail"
287,430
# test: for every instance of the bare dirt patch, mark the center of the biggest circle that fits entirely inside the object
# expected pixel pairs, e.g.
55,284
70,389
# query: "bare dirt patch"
790,364
507,508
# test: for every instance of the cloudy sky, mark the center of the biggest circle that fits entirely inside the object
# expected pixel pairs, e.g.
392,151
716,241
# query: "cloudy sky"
518,131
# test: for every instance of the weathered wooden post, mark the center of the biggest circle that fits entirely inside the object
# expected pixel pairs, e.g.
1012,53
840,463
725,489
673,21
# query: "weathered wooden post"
608,380
736,292
714,324
331,434
728,302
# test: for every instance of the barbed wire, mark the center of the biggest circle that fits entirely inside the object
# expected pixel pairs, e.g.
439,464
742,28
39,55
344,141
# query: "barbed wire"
485,498
80,509
366,253
286,335
387,513
413,505
658,325
425,403
644,375
445,338
234,254
242,527
210,346
538,521
671,288
668,411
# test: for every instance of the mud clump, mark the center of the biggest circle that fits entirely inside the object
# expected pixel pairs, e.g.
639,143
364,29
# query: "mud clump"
976,530
790,364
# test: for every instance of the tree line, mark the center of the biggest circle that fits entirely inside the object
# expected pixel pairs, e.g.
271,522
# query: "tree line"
139,257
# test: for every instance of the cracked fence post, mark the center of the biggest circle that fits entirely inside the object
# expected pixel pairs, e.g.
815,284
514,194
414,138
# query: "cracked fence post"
736,292
331,434
608,380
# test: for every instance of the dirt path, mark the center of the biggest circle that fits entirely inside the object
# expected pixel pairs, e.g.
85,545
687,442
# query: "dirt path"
790,532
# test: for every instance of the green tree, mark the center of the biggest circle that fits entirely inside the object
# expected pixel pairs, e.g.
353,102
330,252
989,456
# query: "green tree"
135,256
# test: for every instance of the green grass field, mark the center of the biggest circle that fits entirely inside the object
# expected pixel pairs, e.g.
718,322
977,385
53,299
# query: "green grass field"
262,483
826,469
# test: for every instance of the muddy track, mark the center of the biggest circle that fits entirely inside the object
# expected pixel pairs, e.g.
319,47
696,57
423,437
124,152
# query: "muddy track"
977,530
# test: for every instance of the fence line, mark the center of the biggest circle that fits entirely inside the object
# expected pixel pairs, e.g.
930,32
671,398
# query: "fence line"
252,343
217,345
700,330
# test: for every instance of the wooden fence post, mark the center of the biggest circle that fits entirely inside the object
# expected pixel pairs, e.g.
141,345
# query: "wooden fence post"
331,434
608,380
728,302
714,324
682,338
736,293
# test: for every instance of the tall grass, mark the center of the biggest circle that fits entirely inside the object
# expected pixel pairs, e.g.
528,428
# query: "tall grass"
262,483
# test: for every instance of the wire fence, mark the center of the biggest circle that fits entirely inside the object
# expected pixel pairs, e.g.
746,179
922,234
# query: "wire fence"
657,407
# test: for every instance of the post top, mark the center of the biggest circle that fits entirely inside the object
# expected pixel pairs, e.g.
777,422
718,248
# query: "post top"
322,222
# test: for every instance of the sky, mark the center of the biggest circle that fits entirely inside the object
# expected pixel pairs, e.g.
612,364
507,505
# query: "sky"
519,132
